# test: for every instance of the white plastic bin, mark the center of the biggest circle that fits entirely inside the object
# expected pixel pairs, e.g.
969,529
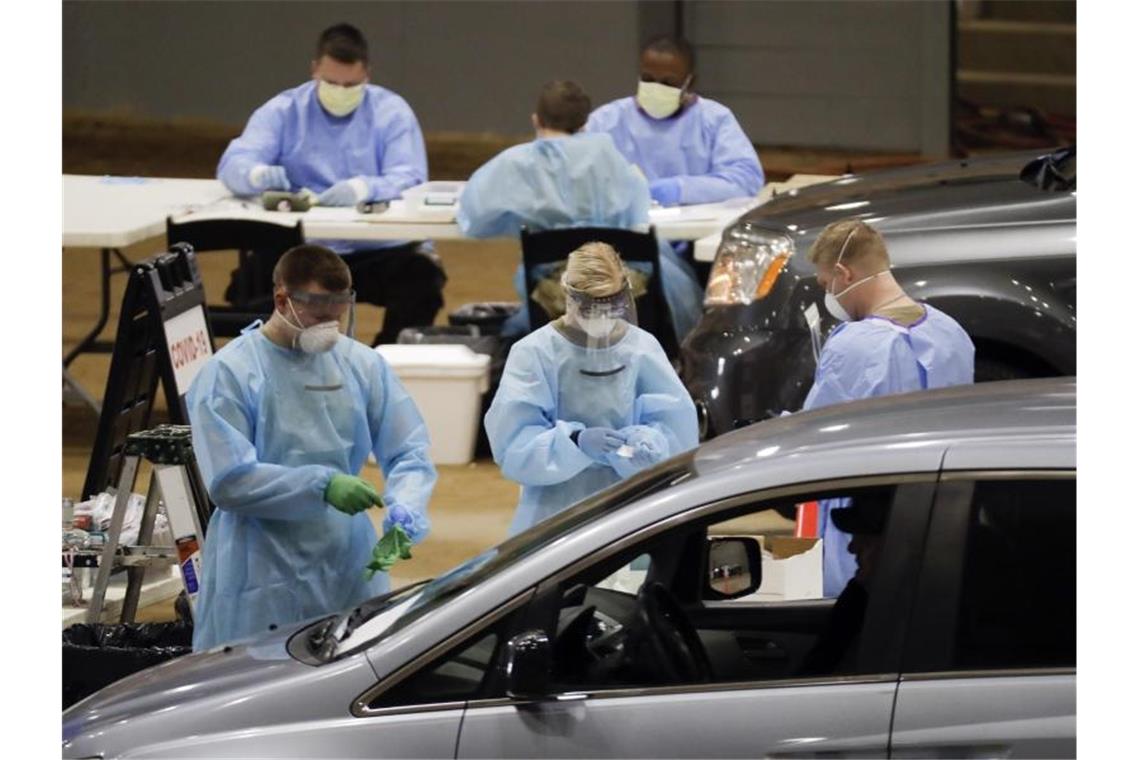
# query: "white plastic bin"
447,383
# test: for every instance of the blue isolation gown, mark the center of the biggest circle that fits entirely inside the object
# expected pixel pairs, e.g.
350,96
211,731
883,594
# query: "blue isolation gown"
544,397
877,357
271,426
703,147
379,141
578,180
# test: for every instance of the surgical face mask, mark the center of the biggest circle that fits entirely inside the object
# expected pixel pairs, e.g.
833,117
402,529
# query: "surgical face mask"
338,99
598,327
658,100
315,339
831,300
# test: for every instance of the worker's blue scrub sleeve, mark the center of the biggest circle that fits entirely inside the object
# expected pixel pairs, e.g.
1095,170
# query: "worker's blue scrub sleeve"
380,141
270,426
702,147
877,357
839,563
544,396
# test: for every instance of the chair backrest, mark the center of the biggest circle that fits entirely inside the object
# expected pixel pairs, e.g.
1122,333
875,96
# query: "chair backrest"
234,234
259,246
637,248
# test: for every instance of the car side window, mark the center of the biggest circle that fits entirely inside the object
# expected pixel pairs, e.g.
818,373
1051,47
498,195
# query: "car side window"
459,675
1018,600
728,598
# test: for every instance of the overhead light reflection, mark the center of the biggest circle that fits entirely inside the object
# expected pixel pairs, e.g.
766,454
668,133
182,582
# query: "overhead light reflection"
847,206
767,452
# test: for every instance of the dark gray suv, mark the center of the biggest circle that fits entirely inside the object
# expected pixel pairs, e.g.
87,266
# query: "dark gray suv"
990,241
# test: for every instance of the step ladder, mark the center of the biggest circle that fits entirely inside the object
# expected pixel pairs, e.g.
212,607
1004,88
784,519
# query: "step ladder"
174,482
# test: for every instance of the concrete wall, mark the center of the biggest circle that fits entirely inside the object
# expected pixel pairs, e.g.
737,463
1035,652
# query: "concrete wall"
830,73
843,74
466,66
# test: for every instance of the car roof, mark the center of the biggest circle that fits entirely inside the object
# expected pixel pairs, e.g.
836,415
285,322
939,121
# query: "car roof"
886,434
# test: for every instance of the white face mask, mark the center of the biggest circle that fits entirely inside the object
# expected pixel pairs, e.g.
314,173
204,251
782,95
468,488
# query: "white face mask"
598,327
316,339
338,99
658,100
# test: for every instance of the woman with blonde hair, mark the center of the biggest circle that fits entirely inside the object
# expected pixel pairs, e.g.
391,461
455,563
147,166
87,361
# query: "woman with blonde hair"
588,399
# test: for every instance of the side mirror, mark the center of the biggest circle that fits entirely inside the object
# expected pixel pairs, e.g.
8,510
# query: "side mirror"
527,665
733,567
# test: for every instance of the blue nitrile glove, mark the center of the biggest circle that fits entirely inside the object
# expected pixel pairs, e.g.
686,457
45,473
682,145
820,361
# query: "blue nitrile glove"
350,494
414,523
347,192
391,548
596,442
265,177
646,445
666,191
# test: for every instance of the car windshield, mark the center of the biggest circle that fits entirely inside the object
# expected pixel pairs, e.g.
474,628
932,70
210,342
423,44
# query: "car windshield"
362,626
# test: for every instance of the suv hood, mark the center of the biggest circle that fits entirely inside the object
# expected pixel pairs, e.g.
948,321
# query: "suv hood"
968,193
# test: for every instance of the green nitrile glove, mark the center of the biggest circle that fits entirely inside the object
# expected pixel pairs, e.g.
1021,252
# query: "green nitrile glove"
351,494
393,547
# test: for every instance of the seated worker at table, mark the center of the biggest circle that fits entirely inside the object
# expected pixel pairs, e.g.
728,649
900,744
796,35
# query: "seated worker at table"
349,141
588,399
283,417
566,178
690,148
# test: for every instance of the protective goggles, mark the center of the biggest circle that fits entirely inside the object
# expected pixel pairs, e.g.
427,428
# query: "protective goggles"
320,302
618,305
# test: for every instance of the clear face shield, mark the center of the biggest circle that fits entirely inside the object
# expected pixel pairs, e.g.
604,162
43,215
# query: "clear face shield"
597,323
320,318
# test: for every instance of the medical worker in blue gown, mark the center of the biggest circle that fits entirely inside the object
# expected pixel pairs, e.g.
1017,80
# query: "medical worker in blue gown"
588,399
348,141
566,178
283,418
690,148
885,343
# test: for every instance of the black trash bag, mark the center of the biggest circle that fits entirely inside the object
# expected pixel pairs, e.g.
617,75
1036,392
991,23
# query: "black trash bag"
97,655
488,316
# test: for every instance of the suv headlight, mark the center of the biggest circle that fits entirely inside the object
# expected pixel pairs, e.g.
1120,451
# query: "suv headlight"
749,260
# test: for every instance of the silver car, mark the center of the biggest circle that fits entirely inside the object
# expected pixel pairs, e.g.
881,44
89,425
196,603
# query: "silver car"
681,614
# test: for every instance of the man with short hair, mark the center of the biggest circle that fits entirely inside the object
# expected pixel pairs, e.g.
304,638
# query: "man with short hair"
885,343
283,418
567,178
690,148
348,141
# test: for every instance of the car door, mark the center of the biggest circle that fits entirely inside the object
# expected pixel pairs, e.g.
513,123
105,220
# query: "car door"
733,714
990,666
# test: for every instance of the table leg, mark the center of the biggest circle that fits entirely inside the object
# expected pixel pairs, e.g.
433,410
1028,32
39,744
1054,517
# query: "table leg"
104,309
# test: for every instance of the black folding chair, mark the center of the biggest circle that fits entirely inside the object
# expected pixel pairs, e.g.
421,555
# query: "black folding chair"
552,246
259,246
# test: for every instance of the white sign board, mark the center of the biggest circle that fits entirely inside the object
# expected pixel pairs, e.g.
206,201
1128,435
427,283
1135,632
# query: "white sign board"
189,345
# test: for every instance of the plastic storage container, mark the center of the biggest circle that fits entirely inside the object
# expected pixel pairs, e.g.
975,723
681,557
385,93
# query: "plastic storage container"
447,383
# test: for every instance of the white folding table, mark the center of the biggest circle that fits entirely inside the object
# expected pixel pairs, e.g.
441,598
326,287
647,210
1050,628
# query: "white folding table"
111,213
